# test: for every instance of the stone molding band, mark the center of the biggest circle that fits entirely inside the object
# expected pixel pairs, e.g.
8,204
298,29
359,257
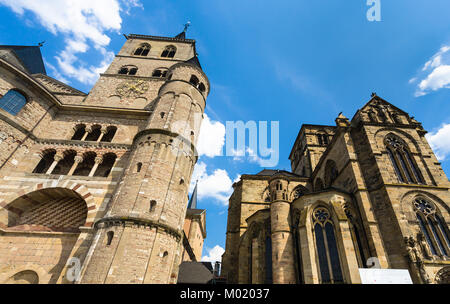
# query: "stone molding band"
128,221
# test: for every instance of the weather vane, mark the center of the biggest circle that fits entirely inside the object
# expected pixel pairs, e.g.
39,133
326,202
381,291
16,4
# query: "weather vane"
188,24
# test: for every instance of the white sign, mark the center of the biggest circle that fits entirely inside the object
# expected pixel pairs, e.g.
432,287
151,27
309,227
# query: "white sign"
385,276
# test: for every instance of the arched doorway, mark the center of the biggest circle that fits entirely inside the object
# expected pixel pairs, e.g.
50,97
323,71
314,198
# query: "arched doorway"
43,226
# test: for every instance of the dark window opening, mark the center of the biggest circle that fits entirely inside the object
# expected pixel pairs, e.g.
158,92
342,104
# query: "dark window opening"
110,236
110,133
45,163
94,134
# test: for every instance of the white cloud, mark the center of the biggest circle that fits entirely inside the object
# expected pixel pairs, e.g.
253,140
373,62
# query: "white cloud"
435,73
217,185
214,254
440,141
81,22
212,138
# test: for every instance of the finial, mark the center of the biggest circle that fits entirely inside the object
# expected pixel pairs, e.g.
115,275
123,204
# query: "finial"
41,44
188,24
374,94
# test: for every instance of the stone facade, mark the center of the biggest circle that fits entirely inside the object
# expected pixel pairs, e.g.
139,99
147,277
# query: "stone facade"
366,192
99,182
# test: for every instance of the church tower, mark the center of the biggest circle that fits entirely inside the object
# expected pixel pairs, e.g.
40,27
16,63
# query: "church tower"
140,237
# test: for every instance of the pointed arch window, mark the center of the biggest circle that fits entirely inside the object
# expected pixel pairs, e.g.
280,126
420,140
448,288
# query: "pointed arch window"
404,165
331,173
433,227
13,102
169,52
326,246
142,50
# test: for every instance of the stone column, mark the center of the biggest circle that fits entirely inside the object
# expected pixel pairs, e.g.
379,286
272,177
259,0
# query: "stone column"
98,161
78,159
103,132
88,130
57,158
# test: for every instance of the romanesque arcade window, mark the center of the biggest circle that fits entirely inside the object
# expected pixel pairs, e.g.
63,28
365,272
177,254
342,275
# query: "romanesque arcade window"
128,70
433,227
160,73
72,163
142,50
13,102
326,246
196,83
169,52
404,165
94,133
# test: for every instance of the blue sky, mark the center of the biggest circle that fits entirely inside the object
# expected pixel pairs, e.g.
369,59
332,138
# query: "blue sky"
289,61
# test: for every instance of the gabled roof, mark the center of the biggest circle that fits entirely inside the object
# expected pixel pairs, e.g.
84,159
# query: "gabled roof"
375,98
270,172
30,56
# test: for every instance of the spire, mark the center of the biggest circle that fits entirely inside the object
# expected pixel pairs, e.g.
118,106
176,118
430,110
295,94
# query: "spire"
193,201
182,35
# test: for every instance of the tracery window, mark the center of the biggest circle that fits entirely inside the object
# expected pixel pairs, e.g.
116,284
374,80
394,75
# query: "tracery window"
13,102
404,165
142,50
326,246
433,227
169,52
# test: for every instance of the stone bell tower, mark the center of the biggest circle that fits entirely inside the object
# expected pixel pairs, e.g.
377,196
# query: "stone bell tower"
139,240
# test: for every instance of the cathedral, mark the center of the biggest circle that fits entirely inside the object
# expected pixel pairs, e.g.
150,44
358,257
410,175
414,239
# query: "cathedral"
94,187
363,194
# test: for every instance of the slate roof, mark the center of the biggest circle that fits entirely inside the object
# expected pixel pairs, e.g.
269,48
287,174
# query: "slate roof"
30,56
195,273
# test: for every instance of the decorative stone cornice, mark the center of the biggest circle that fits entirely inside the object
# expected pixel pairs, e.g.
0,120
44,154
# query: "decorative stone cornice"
83,144
126,221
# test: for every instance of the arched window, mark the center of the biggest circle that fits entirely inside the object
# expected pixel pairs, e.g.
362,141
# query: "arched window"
104,169
139,167
13,102
85,167
80,130
142,50
433,227
94,134
194,80
110,236
404,165
326,246
169,52
331,173
46,161
152,206
356,232
161,73
110,132
202,87
66,163
128,70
